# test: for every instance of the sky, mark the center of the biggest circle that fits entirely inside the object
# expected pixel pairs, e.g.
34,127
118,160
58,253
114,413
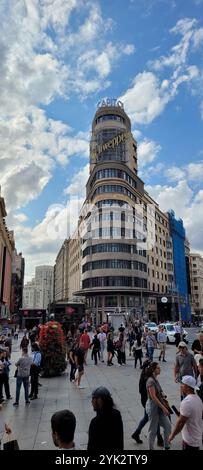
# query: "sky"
58,58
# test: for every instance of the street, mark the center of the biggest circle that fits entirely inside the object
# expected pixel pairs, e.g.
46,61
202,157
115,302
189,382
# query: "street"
31,424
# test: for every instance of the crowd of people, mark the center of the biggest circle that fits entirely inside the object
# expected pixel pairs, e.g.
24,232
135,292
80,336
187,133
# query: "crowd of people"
106,429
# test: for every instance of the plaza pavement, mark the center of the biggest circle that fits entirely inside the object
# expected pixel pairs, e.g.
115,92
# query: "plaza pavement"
31,423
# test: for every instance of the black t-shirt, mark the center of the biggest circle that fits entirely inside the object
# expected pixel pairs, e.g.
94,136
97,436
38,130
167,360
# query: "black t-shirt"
106,432
79,353
197,345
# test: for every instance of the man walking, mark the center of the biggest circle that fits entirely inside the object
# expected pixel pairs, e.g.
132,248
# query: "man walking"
162,339
23,371
35,370
185,364
102,339
189,422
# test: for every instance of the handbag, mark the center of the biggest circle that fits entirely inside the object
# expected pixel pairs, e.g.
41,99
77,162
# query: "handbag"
165,402
12,444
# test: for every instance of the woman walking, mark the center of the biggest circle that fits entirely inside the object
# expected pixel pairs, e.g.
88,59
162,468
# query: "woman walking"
137,349
157,411
110,349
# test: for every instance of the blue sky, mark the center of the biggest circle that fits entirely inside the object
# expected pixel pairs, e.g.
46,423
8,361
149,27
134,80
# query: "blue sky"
58,59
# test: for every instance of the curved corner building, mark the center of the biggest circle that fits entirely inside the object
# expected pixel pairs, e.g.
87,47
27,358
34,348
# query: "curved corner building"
114,260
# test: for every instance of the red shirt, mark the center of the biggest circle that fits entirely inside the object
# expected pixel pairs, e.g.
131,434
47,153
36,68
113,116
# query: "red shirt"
85,339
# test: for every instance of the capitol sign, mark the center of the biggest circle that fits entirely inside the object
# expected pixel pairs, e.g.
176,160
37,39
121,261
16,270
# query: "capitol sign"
108,102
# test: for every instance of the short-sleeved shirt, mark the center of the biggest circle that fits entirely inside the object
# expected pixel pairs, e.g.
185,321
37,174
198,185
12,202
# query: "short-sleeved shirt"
192,407
23,365
161,337
153,382
185,364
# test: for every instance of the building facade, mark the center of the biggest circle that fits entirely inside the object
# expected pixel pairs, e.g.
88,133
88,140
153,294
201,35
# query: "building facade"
17,282
7,246
39,292
61,273
122,257
196,276
177,232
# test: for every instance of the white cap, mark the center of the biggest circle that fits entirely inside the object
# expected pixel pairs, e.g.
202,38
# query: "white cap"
190,381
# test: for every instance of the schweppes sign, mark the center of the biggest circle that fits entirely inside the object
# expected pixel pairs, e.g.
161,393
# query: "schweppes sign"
111,144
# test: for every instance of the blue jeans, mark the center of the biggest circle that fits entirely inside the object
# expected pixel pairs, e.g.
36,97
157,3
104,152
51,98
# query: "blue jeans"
150,353
19,381
142,423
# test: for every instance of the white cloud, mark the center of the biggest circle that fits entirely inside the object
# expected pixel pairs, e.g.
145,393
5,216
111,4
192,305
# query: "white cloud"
129,49
186,204
147,152
144,100
41,243
30,147
193,172
169,197
149,94
175,173
78,184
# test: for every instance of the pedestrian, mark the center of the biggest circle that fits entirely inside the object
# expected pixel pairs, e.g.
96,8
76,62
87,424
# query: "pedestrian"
79,359
197,345
35,370
4,379
24,342
131,339
150,344
23,371
72,362
63,425
95,344
102,339
137,350
162,340
120,347
110,348
178,333
8,344
185,364
106,429
189,423
85,343
144,396
156,409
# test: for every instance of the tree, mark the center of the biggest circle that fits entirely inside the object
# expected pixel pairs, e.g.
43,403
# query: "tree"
52,345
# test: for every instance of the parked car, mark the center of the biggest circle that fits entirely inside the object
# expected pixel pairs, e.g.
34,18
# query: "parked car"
151,326
170,330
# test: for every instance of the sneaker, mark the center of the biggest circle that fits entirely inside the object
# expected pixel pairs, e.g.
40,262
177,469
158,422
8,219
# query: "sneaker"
34,398
136,438
9,398
80,387
16,403
160,441
27,402
164,360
